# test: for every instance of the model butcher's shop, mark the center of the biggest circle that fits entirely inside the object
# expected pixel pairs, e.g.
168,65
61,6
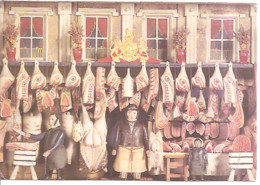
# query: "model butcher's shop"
149,91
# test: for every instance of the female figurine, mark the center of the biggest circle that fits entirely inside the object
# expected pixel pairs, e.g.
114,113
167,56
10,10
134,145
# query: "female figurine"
54,149
131,144
197,160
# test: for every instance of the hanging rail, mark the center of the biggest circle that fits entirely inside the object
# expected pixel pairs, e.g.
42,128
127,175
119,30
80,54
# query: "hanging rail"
131,65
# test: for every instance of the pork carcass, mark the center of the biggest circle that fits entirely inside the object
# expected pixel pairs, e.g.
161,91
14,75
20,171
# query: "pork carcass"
38,79
200,128
167,82
160,119
216,82
167,131
191,128
5,108
111,99
199,79
128,85
214,130
179,102
176,129
22,84
47,100
73,78
153,88
142,79
67,124
123,102
113,80
65,100
230,86
193,110
88,86
213,104
155,157
182,81
32,124
100,84
136,99
27,104
201,102
6,77
56,76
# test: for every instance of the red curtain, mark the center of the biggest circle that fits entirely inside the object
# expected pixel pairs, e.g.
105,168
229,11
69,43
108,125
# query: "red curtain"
25,24
37,23
228,27
162,24
102,26
151,27
215,28
90,25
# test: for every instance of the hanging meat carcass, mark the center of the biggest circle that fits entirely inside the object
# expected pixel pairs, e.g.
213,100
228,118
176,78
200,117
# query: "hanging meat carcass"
160,119
142,79
214,130
65,100
216,82
88,86
191,128
176,129
167,131
5,108
213,104
73,78
153,88
179,102
56,76
155,157
167,82
200,128
47,100
111,99
27,104
67,124
123,102
6,77
113,80
199,79
182,81
193,110
201,102
22,85
38,79
230,86
128,85
100,109
136,99
100,104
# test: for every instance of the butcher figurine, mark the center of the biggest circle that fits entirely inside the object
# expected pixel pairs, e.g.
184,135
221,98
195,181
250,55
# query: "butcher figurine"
54,150
130,146
198,160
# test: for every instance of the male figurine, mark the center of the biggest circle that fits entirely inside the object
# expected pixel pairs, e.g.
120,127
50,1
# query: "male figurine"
54,149
197,160
130,145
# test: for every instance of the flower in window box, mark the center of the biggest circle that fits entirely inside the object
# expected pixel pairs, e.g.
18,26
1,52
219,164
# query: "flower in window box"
243,38
10,34
179,39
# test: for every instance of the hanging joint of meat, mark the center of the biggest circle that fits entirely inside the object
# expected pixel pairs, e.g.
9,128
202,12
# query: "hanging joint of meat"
6,77
216,81
199,79
73,78
182,81
142,79
38,79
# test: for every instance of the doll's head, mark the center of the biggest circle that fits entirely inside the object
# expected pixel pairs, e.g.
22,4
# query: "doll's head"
131,113
54,121
198,143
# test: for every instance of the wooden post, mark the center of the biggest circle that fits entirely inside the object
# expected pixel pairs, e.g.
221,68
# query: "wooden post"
168,169
250,175
14,173
231,175
34,176
185,169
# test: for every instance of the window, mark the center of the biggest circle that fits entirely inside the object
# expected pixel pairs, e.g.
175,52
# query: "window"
157,37
96,37
31,37
221,39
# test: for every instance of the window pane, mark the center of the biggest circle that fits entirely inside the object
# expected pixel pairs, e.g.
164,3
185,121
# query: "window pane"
25,26
25,48
228,29
215,52
162,25
162,49
151,28
102,27
37,48
228,50
151,44
215,29
102,48
90,27
90,48
37,23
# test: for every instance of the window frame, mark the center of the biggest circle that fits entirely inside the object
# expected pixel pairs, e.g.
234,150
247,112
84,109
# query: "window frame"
32,12
82,13
157,38
235,44
172,16
31,38
96,38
